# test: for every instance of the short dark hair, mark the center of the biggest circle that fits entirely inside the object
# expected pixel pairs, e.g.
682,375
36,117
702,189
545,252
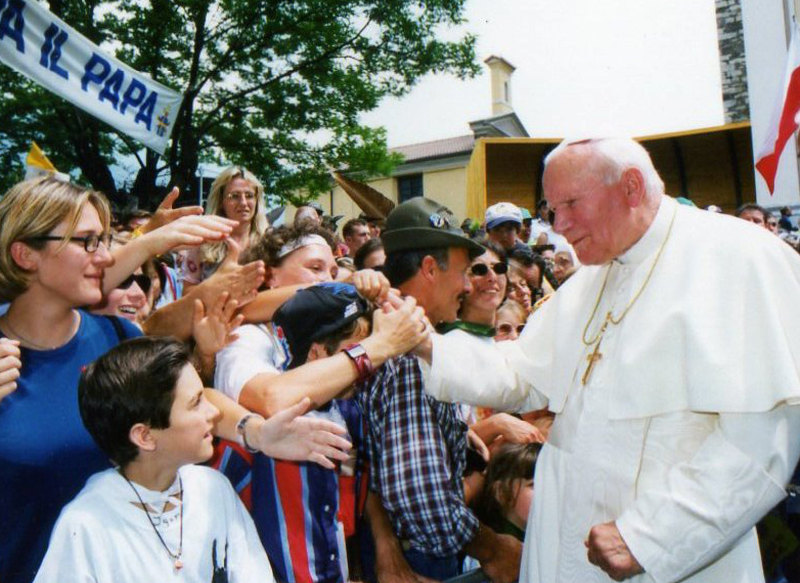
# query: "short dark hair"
132,383
490,245
350,226
401,266
751,206
366,249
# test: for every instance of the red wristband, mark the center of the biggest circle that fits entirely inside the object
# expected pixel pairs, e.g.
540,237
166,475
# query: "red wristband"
361,361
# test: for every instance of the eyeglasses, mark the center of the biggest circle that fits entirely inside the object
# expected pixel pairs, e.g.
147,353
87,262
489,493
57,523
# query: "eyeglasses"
505,329
247,194
481,269
142,280
90,242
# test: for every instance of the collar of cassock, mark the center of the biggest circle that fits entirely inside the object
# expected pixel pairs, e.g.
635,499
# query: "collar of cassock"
651,241
470,327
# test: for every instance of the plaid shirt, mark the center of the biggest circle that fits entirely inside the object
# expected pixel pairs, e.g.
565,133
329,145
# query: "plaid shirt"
417,453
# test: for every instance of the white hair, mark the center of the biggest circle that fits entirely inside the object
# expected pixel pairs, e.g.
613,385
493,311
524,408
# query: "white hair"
617,155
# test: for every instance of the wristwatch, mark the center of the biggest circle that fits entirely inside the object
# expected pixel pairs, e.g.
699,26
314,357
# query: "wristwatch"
240,429
361,361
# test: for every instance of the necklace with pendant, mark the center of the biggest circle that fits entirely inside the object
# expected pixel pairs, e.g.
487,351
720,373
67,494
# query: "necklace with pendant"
596,355
176,556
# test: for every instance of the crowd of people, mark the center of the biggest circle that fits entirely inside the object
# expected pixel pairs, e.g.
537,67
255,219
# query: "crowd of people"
382,394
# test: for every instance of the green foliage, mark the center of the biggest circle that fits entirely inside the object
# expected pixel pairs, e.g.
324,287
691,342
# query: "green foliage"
275,85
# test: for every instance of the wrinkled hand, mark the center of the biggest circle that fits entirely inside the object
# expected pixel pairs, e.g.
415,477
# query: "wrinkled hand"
290,436
396,330
10,364
371,284
165,214
214,330
395,569
503,564
515,430
240,281
607,550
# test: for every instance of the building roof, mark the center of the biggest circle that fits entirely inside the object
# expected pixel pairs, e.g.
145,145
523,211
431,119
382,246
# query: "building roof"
437,148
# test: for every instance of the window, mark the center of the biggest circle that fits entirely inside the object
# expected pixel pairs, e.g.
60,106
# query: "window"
409,186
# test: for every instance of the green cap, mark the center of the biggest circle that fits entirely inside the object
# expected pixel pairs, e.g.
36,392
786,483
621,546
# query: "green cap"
422,223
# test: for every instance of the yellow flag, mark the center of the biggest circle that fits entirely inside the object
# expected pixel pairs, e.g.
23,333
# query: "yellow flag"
37,159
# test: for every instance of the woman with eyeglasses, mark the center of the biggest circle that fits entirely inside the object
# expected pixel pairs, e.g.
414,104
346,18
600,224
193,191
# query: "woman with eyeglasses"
238,195
55,259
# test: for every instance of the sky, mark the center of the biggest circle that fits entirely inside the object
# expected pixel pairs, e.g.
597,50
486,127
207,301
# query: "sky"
583,68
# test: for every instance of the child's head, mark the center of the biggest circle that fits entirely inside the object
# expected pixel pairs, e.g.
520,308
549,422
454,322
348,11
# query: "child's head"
508,487
145,395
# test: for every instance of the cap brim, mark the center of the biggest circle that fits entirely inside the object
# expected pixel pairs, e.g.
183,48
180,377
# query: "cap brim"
425,238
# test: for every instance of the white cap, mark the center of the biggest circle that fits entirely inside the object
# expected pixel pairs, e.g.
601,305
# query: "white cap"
502,212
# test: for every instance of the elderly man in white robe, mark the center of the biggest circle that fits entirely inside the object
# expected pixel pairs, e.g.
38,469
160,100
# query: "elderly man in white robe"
673,371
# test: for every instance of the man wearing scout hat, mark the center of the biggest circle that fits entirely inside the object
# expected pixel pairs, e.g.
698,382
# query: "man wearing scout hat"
417,445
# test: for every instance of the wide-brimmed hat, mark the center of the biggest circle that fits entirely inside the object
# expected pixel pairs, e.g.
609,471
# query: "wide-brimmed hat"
422,223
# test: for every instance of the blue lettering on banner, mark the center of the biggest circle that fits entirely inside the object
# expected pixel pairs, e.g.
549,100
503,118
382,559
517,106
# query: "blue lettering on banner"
98,71
12,21
90,75
145,114
134,95
111,88
54,39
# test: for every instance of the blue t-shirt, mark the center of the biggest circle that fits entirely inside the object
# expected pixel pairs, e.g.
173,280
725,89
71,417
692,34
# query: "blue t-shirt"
46,455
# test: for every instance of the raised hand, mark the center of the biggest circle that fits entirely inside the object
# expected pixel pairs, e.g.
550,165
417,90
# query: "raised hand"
166,214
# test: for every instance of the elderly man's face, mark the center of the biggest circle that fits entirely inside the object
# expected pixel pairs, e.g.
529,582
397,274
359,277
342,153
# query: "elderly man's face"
594,216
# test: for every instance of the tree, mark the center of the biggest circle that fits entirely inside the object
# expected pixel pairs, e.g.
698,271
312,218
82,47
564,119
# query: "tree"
275,85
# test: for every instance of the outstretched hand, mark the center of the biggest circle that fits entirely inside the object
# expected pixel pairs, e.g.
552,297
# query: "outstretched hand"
214,329
165,214
240,281
288,435
371,284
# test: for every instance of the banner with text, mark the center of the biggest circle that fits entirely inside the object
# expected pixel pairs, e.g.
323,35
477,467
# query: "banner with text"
42,47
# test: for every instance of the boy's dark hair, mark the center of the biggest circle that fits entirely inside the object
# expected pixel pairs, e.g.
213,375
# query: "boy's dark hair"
401,266
132,383
350,226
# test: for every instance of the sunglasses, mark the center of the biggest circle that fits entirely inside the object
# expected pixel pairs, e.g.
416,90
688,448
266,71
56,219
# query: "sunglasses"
142,280
481,269
506,329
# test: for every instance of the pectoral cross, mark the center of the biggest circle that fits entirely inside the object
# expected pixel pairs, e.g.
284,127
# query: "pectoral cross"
596,355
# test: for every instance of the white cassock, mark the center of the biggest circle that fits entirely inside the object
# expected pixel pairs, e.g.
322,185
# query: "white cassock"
687,428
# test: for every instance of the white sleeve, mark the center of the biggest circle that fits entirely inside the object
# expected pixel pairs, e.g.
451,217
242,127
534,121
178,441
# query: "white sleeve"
70,551
487,375
709,501
251,354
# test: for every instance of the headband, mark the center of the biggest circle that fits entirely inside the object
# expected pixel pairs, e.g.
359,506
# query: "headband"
304,241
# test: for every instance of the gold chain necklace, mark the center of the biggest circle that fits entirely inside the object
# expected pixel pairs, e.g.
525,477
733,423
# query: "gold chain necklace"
10,328
610,319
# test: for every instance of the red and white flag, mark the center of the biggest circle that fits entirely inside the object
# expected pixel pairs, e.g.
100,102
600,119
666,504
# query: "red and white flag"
785,117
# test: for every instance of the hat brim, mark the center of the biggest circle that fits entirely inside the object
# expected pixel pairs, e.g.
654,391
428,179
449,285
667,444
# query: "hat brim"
424,238
494,223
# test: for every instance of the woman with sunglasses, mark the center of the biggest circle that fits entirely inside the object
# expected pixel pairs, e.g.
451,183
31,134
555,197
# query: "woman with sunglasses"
129,300
237,195
477,317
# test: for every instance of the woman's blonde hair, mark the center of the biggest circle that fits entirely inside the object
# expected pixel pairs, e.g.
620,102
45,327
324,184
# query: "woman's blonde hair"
34,208
215,252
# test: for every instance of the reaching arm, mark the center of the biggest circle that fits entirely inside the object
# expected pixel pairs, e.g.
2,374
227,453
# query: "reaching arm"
287,435
395,331
707,502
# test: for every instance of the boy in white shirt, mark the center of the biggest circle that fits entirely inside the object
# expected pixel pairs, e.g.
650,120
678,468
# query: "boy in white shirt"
155,517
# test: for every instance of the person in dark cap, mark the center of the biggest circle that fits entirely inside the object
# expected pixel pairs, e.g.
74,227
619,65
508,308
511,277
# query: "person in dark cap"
417,445
295,505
